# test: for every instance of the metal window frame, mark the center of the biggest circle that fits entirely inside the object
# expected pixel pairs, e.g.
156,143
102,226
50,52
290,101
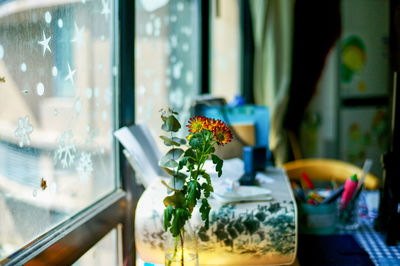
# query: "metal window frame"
67,242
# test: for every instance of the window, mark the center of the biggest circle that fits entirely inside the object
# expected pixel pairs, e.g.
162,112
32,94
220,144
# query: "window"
166,59
58,159
225,49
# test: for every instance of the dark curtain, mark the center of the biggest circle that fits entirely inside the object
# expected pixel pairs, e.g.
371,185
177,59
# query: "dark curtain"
316,28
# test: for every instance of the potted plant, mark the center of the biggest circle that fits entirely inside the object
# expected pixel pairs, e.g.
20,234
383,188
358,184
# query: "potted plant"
189,183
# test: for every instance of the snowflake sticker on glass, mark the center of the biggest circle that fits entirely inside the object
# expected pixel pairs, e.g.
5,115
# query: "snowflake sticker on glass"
66,150
23,131
85,167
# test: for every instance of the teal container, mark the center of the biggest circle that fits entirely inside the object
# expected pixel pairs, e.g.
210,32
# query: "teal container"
317,219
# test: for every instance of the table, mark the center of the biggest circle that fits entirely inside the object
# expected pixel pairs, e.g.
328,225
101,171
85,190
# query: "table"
251,233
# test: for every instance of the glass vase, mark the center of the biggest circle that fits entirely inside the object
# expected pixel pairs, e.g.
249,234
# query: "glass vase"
182,249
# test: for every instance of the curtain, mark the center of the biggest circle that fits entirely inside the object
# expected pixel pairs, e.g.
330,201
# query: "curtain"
273,31
317,27
292,40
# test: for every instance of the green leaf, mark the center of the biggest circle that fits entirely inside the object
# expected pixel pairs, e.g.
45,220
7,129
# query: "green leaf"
218,164
176,183
180,218
168,212
190,153
182,163
206,177
171,124
181,176
194,194
168,171
207,189
176,200
179,140
211,150
169,142
205,211
196,141
174,154
166,163
169,159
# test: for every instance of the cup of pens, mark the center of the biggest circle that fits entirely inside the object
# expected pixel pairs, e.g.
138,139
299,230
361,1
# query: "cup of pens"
322,213
317,207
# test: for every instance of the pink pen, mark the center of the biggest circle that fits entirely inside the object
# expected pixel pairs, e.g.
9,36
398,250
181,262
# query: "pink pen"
349,188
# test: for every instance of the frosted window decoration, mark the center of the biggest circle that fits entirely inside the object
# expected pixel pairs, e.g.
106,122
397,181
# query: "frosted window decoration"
23,67
85,167
142,90
47,17
78,38
106,10
185,47
78,106
66,150
1,51
54,71
174,41
152,5
60,23
45,43
180,6
70,75
189,77
23,131
40,89
176,70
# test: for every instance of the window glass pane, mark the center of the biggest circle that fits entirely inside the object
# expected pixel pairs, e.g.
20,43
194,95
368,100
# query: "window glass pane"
56,113
166,58
105,252
225,49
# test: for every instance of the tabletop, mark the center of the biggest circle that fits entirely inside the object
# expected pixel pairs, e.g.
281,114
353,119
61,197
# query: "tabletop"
259,232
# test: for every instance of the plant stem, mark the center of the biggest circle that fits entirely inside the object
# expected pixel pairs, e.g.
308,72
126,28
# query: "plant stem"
182,258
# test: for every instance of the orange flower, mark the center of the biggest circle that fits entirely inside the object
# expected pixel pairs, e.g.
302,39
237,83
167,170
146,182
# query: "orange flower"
222,133
197,124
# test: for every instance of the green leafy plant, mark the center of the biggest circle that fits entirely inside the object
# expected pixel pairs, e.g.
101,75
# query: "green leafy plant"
184,162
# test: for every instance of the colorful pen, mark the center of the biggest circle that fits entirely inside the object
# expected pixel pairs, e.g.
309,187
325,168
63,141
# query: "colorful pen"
307,179
335,194
349,188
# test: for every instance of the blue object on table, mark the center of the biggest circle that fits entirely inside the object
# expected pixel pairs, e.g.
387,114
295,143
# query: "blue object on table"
237,101
254,158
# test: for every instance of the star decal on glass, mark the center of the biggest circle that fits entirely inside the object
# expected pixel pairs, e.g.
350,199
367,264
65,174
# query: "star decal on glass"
23,131
45,43
78,38
70,75
106,10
